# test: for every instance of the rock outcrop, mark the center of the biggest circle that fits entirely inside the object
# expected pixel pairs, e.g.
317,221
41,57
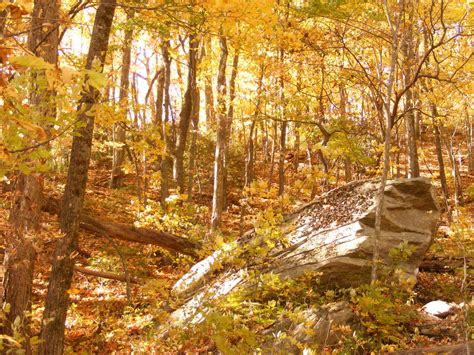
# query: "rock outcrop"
333,235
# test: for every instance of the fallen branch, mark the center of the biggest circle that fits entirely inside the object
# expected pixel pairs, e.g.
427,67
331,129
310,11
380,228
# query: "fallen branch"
104,274
131,233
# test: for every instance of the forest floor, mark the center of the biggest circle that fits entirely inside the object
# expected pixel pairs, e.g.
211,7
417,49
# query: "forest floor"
102,320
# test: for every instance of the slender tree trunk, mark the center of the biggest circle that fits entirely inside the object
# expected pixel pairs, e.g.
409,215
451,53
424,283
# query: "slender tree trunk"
389,114
230,119
250,156
158,117
20,254
418,119
186,114
439,155
284,126
343,113
218,190
272,157
249,161
166,161
458,197
116,179
208,92
54,316
192,151
409,55
281,161
470,142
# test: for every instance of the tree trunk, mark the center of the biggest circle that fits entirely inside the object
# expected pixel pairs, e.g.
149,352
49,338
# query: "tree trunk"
389,115
20,254
470,142
272,158
166,161
208,92
186,114
192,151
458,197
218,189
409,56
54,316
116,179
439,155
281,160
343,113
230,119
284,125
249,163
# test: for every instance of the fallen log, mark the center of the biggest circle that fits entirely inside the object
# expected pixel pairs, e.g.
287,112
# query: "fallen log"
131,233
104,274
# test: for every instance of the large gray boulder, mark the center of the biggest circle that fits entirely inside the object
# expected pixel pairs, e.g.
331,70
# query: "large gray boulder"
333,235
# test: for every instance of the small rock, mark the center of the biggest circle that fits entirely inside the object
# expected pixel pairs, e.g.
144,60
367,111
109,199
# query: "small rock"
440,309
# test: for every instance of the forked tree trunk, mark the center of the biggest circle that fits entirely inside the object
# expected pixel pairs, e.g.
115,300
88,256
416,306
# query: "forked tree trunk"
218,189
116,179
186,114
54,316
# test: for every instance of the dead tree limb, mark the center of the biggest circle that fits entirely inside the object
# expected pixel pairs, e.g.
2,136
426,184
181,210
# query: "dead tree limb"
131,233
104,274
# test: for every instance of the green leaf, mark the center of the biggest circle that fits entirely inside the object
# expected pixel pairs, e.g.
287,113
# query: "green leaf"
96,79
31,61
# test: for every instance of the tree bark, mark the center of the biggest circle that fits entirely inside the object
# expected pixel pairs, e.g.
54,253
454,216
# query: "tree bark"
439,156
54,316
458,196
218,189
284,125
281,160
408,51
20,255
208,92
343,113
186,114
192,170
390,113
116,179
166,161
470,142
230,119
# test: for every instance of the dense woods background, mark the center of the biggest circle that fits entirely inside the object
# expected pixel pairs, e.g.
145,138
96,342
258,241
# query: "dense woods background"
159,131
